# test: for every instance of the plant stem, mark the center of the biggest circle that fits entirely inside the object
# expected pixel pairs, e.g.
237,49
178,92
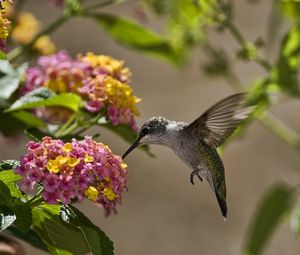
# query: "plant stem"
242,42
280,129
36,199
103,4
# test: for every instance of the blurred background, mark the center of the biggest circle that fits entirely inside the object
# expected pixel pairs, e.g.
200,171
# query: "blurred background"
162,213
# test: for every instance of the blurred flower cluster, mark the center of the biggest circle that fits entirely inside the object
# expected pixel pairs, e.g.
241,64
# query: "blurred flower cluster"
4,27
68,172
24,29
100,80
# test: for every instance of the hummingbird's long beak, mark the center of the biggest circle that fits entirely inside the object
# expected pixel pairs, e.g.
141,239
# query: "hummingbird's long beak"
132,147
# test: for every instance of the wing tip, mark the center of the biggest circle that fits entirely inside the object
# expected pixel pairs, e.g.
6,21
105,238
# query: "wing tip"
223,206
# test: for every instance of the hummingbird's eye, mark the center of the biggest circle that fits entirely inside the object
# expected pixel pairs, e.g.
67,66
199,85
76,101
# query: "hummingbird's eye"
145,131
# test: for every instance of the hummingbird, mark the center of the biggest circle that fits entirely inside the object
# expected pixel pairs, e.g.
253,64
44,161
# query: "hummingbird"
196,143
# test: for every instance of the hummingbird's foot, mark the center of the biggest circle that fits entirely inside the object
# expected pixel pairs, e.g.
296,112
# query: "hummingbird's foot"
195,172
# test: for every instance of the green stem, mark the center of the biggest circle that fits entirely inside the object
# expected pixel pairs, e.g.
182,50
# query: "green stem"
242,42
37,202
89,124
65,126
103,4
280,129
36,199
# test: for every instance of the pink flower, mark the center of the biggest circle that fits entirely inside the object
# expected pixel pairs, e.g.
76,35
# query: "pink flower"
94,106
51,182
73,171
50,197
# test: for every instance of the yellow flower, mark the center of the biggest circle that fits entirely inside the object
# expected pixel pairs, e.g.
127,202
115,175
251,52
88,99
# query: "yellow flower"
109,194
91,193
72,162
88,159
8,8
4,25
44,45
61,160
108,63
67,147
27,27
53,166
121,95
124,165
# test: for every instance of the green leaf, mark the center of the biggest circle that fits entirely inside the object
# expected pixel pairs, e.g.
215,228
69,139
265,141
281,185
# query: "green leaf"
24,216
9,164
10,81
30,237
98,242
60,239
46,97
295,219
290,8
10,126
2,55
5,198
28,119
136,36
9,178
128,135
187,23
286,74
268,214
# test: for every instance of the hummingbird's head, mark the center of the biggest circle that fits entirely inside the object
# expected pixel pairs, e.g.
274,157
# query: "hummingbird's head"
152,132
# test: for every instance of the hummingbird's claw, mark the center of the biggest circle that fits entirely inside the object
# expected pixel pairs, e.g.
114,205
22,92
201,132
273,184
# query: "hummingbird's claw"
195,172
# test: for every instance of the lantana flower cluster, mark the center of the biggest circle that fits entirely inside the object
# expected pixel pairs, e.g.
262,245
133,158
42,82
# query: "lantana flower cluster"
69,172
100,80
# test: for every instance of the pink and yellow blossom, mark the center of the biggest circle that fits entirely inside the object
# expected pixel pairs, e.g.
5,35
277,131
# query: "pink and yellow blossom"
100,80
68,172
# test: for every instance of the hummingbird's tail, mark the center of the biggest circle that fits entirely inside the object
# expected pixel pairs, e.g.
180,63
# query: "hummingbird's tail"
222,205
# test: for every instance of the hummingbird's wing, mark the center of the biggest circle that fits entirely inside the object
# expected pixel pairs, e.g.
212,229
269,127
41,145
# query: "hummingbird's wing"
216,124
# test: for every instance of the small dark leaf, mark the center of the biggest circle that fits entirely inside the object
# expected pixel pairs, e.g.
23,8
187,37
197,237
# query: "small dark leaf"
136,36
9,164
268,214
